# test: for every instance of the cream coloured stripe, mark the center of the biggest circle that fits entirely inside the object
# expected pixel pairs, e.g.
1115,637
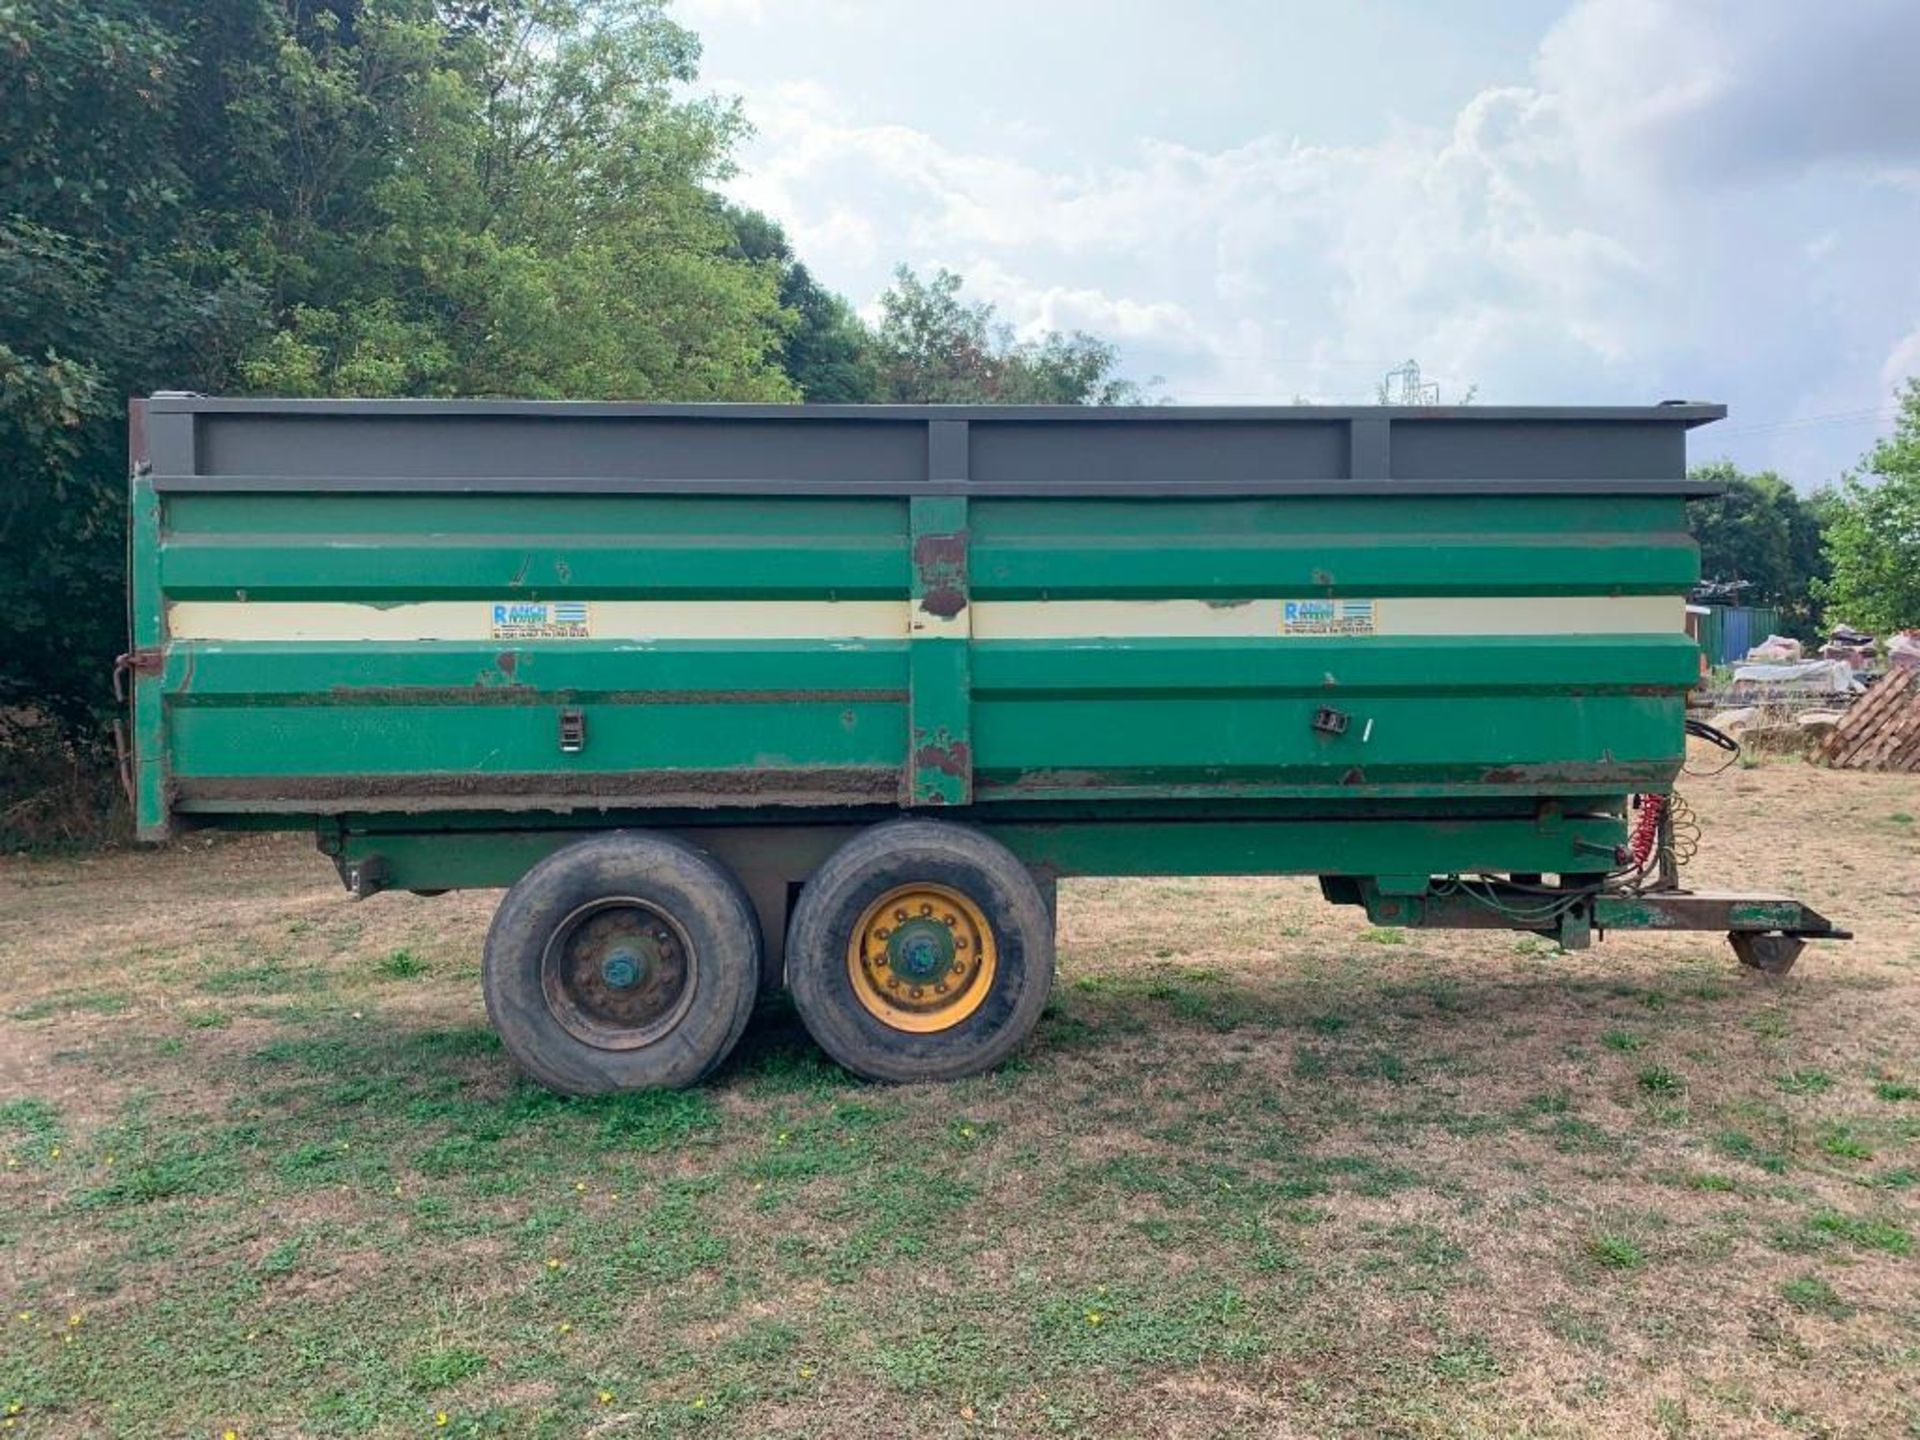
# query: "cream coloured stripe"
1474,615
889,619
473,620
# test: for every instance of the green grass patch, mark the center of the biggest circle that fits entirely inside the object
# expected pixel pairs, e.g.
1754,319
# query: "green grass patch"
273,977
1803,1082
1841,1141
1739,1145
1712,1183
442,1369
1127,1329
1614,1251
1896,1090
1659,1080
1862,1232
652,1120
33,1118
400,965
1814,1296
72,1002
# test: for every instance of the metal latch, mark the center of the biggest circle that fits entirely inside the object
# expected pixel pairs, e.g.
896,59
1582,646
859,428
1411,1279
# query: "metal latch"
573,731
1329,721
135,663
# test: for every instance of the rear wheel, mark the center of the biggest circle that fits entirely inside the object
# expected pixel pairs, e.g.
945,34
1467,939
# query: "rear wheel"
1769,954
623,962
920,950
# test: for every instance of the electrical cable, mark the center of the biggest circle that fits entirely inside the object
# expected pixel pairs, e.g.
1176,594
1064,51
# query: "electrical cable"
1701,730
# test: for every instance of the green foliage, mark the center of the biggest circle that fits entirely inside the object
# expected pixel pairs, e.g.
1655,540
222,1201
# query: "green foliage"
528,186
1873,532
827,352
936,348
1762,537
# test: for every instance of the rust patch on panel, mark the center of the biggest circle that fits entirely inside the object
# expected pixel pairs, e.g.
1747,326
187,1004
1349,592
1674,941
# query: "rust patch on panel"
1606,772
508,662
948,757
546,790
1060,780
940,566
140,457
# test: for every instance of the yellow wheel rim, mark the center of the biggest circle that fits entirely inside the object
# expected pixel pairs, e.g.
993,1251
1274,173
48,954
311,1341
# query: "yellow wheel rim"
921,958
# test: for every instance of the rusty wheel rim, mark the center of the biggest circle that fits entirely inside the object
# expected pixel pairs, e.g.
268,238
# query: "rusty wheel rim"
619,973
922,958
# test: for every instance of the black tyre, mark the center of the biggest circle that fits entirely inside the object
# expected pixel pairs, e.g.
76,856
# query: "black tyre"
921,950
627,961
1769,954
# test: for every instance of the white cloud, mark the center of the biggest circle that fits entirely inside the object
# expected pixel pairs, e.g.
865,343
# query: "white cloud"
1628,220
1902,362
702,14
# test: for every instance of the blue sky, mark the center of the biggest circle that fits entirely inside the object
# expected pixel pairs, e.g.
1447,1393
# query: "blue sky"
1615,201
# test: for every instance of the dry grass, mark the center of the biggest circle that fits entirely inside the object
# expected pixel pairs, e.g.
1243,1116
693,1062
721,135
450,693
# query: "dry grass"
1265,1172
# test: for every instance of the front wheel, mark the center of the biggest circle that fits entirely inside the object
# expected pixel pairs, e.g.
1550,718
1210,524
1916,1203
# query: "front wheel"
1769,954
921,950
627,961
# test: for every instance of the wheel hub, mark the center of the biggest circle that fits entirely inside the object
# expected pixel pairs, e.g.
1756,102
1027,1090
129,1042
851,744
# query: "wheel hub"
618,974
920,951
921,958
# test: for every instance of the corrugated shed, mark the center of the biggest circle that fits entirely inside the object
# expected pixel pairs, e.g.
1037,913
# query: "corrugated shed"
1727,632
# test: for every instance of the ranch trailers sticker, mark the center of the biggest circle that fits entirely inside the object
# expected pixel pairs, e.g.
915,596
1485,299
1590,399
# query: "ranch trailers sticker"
1328,617
541,620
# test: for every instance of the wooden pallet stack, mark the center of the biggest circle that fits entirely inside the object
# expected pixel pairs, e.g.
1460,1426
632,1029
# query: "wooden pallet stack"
1881,730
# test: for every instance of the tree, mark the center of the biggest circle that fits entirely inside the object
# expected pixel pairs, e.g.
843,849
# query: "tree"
536,220
377,197
1873,533
935,348
1760,542
828,353
111,282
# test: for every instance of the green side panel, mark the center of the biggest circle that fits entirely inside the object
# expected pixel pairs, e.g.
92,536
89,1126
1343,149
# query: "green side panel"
935,717
1423,715
397,548
1422,545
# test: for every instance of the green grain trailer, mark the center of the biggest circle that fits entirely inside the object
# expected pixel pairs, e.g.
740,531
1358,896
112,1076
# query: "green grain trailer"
736,696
